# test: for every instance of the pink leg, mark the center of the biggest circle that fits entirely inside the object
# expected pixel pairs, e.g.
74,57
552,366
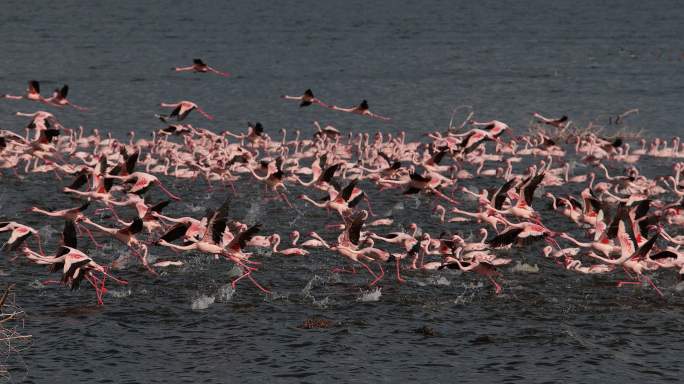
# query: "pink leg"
284,197
443,196
169,194
206,115
342,270
497,287
40,247
400,280
257,284
111,208
90,235
369,269
98,294
244,274
654,286
143,259
621,283
379,277
119,281
370,208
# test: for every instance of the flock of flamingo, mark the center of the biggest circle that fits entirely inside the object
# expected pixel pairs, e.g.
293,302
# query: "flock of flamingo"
621,222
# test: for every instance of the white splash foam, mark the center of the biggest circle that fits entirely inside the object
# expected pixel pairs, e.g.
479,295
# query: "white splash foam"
306,291
37,284
119,293
679,287
323,303
524,268
202,302
225,293
370,295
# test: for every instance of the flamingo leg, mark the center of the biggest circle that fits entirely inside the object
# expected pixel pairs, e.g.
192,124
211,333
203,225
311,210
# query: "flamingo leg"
257,284
284,197
90,235
166,191
379,277
648,279
342,270
400,280
370,208
40,247
203,113
245,273
497,287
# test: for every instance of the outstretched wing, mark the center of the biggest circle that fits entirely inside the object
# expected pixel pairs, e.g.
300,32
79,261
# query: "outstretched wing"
505,238
176,232
330,172
69,234
245,236
64,91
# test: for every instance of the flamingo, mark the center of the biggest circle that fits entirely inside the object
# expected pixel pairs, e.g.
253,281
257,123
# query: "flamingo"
306,99
181,110
32,93
199,66
361,109
19,234
75,264
59,99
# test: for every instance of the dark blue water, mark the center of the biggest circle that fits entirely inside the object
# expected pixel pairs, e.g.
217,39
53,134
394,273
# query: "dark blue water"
413,61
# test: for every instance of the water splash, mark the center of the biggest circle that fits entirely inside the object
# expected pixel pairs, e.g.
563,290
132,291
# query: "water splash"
308,288
120,293
225,293
370,295
306,291
524,268
203,302
37,284
679,287
434,281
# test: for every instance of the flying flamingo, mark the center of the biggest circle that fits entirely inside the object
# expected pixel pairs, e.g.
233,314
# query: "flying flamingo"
181,110
199,66
59,99
631,258
32,93
522,233
560,122
480,267
126,235
19,234
142,181
75,264
361,109
306,99
72,214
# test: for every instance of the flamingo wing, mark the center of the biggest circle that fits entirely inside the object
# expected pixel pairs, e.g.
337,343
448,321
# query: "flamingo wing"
505,238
